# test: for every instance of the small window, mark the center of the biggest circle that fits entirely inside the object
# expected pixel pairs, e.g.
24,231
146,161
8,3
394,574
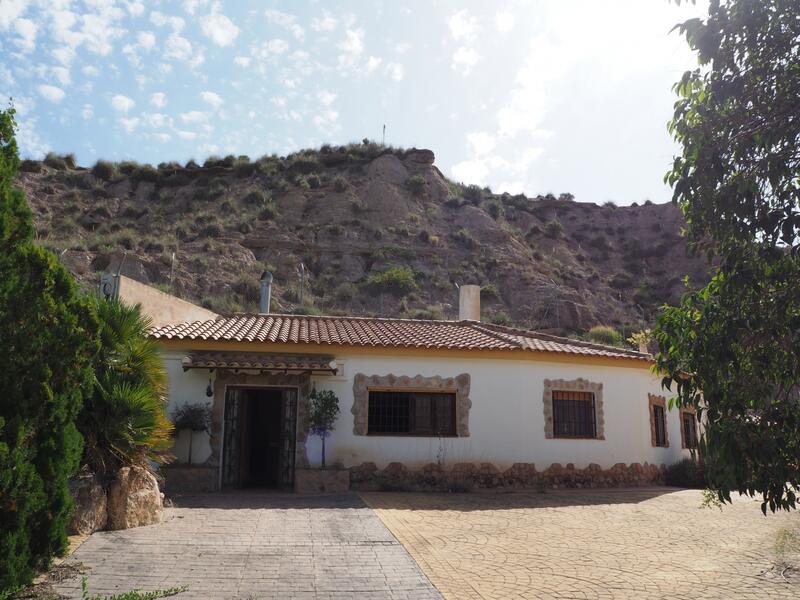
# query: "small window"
412,413
689,430
659,425
574,414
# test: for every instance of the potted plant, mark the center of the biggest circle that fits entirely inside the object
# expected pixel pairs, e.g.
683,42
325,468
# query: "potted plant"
322,414
323,410
195,418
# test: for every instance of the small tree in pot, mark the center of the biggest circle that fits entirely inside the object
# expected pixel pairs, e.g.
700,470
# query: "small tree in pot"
195,418
322,415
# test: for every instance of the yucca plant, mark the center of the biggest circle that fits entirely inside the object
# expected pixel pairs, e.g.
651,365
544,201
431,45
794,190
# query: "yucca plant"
125,421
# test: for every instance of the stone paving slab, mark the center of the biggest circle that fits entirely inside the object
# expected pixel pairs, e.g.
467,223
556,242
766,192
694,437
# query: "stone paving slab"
250,545
605,544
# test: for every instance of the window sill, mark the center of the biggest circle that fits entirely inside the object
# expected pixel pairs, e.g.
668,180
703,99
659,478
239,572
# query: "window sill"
411,435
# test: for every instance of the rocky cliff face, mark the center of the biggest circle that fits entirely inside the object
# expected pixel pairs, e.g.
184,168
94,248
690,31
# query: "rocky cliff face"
361,230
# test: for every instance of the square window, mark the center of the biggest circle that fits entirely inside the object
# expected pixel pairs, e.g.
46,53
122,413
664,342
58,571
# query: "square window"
574,414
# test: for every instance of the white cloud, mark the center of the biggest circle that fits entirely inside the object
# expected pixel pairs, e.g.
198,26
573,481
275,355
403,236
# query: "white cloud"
51,93
64,55
90,71
62,74
462,25
191,6
351,47
373,62
26,30
287,21
481,142
470,171
194,116
219,28
186,135
241,61
122,103
135,8
146,40
158,99
326,97
160,20
324,23
504,21
396,71
212,99
209,148
161,137
464,58
157,120
10,10
129,124
87,112
177,47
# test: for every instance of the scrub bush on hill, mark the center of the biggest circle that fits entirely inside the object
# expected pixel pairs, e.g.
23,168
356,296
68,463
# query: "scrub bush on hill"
46,353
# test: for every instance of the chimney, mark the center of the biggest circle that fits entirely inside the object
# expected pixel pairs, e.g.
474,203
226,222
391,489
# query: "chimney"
469,303
266,293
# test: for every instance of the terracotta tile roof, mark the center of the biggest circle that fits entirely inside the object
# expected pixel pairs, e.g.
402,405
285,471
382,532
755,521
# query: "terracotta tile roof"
379,332
259,361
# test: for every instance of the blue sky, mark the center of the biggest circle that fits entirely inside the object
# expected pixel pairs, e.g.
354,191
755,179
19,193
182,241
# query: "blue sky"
524,96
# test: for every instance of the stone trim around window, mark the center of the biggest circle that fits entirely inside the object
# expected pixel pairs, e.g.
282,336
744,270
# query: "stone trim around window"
654,400
688,410
363,383
573,385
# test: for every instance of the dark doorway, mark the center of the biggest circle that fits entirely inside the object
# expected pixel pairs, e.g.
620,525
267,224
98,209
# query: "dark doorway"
258,445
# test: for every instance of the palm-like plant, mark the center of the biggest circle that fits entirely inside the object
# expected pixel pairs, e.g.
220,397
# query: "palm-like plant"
125,420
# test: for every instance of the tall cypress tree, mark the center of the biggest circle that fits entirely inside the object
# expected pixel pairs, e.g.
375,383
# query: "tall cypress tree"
47,344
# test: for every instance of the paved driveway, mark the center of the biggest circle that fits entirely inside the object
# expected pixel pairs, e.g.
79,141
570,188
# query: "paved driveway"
595,544
255,546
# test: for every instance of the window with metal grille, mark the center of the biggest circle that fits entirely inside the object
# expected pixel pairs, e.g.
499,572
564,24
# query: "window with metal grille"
411,413
659,425
689,430
574,414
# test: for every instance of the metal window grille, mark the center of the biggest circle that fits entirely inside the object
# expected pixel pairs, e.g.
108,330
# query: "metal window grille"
574,414
659,424
411,413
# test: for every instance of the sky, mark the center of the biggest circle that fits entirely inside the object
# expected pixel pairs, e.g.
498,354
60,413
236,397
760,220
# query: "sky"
531,96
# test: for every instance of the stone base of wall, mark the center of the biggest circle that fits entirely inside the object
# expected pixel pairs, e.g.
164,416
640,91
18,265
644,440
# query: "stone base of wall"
466,476
317,481
185,479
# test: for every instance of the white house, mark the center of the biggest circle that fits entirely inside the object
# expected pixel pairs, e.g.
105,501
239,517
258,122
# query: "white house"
421,401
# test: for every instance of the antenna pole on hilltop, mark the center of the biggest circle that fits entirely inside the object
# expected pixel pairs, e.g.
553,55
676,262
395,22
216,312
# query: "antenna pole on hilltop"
383,136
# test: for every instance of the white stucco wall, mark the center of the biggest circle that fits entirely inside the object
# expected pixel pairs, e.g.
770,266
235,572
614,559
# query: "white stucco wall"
507,416
187,388
506,419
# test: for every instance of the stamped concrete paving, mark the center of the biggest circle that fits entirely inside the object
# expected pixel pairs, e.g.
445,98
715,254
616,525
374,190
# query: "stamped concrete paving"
256,546
654,543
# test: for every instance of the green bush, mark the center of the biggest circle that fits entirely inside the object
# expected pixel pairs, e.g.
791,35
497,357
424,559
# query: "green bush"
124,421
464,237
104,170
47,332
340,184
55,161
495,210
603,334
417,185
397,281
553,229
686,473
473,194
269,212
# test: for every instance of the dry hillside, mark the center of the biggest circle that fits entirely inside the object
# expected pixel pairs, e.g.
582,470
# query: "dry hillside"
376,231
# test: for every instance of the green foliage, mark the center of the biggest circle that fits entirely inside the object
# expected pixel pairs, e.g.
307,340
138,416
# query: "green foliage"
553,229
47,346
396,280
730,349
603,334
124,421
256,197
340,184
464,237
193,416
502,318
322,413
641,338
686,473
417,185
473,194
495,210
133,594
104,170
